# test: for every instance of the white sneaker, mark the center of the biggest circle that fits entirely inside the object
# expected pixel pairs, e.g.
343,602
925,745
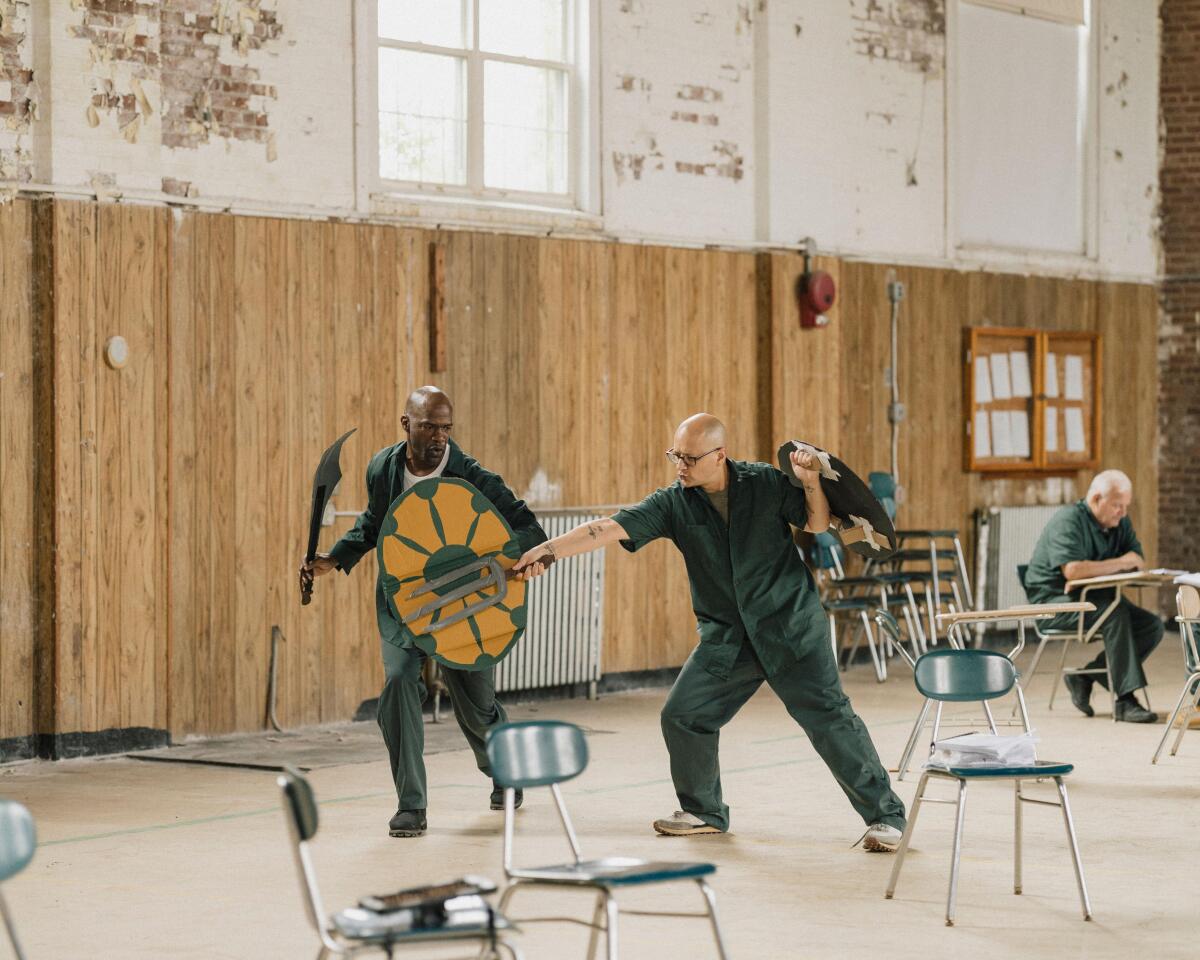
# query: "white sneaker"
881,838
683,824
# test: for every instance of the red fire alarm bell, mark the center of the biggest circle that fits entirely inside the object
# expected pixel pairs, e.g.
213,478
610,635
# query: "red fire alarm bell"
815,291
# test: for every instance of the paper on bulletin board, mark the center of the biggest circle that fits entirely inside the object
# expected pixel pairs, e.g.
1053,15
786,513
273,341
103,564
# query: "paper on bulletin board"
1051,431
1075,438
1019,426
981,434
1022,386
1051,375
1001,385
983,381
1001,434
1074,384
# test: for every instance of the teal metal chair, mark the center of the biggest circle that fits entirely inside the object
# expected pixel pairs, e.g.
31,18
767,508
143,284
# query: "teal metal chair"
1187,605
18,841
347,933
958,676
889,627
545,753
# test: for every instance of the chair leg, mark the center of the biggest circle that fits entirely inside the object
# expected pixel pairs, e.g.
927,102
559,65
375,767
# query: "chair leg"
876,653
505,897
1070,824
904,841
1171,720
913,737
1017,837
956,855
610,935
12,930
710,899
932,614
1062,665
597,920
1187,717
1037,658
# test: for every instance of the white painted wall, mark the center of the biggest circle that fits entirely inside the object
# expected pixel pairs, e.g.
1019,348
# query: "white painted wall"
822,118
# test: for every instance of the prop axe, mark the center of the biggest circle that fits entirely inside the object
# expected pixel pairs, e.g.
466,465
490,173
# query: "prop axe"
329,472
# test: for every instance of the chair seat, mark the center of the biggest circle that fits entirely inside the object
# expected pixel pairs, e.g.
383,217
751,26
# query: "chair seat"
914,576
1054,632
1043,768
615,872
462,923
915,553
850,603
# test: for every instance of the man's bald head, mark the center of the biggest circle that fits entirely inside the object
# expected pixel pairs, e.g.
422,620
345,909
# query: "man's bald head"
423,398
700,447
428,417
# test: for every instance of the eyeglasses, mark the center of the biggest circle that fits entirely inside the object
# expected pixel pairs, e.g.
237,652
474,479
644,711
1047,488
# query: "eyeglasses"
686,459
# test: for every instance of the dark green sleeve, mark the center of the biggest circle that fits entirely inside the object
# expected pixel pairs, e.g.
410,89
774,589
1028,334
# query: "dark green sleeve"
529,532
793,505
646,521
360,539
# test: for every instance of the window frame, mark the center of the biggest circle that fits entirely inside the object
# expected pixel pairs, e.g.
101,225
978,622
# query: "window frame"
578,67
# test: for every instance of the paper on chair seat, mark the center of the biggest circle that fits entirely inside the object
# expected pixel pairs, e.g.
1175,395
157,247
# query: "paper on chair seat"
984,750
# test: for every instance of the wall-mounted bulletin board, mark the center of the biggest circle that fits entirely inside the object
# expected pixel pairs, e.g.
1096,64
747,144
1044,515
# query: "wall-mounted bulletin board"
1032,400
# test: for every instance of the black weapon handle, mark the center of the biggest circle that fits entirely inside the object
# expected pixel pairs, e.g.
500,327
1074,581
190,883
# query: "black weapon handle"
305,592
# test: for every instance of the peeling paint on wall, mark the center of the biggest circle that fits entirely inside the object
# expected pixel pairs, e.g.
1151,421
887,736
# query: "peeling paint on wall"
18,91
729,164
910,33
188,54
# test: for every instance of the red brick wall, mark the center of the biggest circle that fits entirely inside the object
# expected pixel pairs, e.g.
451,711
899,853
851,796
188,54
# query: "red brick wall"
1179,332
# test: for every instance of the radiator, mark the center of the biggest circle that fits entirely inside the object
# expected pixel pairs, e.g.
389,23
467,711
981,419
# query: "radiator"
565,625
1006,537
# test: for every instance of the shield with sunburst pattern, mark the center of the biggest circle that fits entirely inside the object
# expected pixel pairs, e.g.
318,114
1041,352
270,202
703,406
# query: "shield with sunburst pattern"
444,552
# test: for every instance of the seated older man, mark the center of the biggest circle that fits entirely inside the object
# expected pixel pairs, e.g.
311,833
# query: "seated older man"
1093,537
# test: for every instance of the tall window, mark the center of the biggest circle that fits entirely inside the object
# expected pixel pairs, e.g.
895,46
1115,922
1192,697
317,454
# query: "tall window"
476,97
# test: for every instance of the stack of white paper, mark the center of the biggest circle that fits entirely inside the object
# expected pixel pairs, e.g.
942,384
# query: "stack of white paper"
984,750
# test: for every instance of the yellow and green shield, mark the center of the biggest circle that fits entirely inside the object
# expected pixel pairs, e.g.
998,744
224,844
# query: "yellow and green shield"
444,552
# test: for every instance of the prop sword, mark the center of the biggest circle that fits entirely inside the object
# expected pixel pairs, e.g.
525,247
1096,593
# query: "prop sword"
329,472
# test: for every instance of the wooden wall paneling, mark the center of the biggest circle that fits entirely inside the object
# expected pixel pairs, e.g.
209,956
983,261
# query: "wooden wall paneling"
249,547
23,568
182,487
307,256
158,531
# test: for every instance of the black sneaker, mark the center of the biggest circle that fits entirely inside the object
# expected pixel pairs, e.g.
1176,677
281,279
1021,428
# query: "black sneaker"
1133,712
1080,689
497,799
407,823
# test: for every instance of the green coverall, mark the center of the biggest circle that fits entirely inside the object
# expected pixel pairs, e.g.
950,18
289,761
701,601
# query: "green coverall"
472,693
1130,633
759,618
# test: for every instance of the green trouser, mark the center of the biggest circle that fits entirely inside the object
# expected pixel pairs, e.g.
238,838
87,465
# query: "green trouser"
700,703
1130,635
473,695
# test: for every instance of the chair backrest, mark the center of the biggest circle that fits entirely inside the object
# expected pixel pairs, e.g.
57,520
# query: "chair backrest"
18,838
536,753
827,554
962,675
300,809
299,804
883,487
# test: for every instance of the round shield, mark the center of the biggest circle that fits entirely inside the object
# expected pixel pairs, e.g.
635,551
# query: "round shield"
444,552
863,525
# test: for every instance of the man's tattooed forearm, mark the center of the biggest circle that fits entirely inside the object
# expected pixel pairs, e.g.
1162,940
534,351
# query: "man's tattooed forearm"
594,530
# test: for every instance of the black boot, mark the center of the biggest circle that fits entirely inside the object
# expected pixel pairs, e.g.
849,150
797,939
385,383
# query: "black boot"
407,823
1129,710
497,799
1080,689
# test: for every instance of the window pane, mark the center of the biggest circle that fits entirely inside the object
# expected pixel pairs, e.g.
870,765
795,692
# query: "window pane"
524,128
422,117
522,28
438,22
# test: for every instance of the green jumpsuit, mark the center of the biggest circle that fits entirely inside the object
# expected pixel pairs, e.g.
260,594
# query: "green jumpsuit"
759,618
472,693
1130,633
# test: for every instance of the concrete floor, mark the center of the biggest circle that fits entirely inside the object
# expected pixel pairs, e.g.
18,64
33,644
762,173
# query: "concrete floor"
154,860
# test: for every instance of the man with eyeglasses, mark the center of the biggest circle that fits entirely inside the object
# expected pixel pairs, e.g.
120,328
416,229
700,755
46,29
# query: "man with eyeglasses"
427,452
759,619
